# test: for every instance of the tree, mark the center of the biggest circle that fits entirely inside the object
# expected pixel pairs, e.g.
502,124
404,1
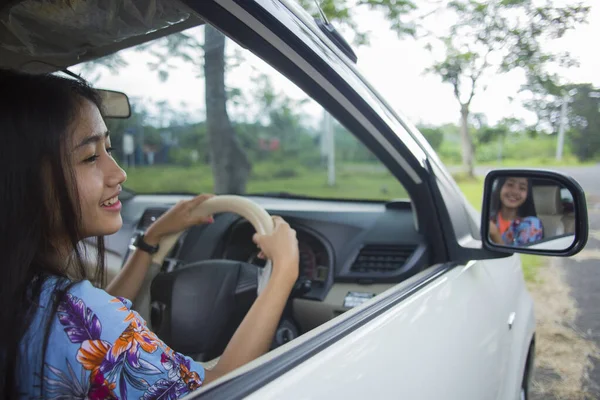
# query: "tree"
230,164
498,36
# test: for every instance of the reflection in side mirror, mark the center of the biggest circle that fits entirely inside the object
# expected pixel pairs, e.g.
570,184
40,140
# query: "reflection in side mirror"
535,212
114,104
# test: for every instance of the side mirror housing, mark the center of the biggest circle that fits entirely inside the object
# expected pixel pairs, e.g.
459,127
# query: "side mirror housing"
533,212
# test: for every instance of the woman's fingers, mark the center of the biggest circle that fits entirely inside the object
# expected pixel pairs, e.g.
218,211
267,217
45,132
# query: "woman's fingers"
201,198
195,202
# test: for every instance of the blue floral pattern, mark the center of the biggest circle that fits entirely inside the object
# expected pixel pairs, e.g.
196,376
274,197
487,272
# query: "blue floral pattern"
106,351
523,231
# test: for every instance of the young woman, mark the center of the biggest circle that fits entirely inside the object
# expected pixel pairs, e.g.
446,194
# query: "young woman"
61,337
513,218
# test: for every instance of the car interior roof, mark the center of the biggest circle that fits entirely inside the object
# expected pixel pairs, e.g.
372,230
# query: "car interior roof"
46,64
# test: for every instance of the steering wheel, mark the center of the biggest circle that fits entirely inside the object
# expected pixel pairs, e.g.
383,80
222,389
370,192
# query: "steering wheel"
251,211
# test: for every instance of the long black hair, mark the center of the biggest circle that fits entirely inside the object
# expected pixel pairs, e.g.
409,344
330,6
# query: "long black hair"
39,208
527,209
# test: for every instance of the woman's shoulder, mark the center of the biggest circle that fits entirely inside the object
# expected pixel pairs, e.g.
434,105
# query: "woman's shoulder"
83,309
92,295
90,307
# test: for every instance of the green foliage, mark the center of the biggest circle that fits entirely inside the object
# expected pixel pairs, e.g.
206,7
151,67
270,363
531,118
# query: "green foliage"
584,121
450,153
342,13
583,114
511,33
183,157
488,134
434,135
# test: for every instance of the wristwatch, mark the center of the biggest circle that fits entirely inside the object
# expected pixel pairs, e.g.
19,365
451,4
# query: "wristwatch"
142,245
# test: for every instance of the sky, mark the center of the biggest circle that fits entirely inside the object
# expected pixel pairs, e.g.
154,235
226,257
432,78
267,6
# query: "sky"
395,67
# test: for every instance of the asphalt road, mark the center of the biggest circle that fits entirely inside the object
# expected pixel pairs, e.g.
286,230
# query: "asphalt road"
583,271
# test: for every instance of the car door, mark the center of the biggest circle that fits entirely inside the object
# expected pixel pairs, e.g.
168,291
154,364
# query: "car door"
434,336
516,319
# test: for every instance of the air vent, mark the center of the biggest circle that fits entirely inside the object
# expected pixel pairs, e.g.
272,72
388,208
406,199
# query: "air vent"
149,216
381,258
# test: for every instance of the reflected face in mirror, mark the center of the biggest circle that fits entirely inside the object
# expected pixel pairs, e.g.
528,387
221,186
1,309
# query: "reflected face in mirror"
514,219
513,194
531,213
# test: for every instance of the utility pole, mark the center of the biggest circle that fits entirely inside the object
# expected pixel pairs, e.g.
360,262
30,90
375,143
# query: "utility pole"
328,130
562,126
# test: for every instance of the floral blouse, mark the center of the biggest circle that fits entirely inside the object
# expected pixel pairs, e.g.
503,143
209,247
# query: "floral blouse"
99,348
523,231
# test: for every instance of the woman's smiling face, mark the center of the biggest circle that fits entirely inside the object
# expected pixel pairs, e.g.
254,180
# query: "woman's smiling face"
98,176
514,192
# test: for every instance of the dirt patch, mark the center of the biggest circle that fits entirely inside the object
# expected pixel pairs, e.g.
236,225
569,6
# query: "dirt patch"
585,254
563,354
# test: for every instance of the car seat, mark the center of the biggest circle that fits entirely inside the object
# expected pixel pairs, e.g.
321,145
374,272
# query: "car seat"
549,209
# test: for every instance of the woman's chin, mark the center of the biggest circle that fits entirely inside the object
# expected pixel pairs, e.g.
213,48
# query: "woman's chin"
512,204
105,229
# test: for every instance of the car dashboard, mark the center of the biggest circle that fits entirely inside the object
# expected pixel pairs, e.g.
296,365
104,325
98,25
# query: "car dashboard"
357,242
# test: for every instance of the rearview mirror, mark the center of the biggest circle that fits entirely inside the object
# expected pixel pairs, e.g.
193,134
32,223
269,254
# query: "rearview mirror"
534,212
115,104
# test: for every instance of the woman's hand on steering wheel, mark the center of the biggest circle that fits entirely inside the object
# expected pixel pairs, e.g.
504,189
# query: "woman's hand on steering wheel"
281,247
178,218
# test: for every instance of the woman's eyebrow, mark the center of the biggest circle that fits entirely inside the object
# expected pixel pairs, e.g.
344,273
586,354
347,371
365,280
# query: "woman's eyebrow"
95,138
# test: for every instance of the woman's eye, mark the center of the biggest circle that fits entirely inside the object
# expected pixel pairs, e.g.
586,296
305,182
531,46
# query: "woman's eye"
109,150
91,159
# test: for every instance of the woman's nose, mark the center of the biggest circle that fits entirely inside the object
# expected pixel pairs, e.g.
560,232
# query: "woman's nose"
116,175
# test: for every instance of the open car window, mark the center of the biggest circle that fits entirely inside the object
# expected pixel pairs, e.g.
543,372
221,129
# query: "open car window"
286,140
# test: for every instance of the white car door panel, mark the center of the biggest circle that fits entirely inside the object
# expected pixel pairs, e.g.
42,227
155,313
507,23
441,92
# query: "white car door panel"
442,342
517,307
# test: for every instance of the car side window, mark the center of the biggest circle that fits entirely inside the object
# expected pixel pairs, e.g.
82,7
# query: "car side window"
275,136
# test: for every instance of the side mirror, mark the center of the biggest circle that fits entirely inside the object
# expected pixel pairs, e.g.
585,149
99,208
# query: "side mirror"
533,212
114,104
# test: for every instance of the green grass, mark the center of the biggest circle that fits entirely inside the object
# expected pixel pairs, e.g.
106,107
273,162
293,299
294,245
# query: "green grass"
534,162
351,183
472,188
531,265
364,185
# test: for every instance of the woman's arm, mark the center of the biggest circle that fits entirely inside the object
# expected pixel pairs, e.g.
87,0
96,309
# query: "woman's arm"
495,233
255,334
128,282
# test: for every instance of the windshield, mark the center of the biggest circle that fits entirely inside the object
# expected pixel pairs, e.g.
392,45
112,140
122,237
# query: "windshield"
209,116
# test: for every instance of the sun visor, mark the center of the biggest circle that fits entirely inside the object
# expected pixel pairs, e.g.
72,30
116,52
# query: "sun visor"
46,28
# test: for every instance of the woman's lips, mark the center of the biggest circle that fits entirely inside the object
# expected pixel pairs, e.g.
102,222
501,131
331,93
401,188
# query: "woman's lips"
511,200
113,207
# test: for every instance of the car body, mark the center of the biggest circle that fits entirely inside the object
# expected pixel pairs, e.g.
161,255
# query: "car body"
453,321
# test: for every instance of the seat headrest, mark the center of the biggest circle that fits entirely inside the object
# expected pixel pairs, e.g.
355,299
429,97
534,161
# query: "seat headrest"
547,200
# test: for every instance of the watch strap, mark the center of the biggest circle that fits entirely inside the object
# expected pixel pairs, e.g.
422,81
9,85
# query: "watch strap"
142,245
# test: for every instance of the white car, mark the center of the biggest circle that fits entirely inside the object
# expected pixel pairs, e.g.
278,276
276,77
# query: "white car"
404,298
